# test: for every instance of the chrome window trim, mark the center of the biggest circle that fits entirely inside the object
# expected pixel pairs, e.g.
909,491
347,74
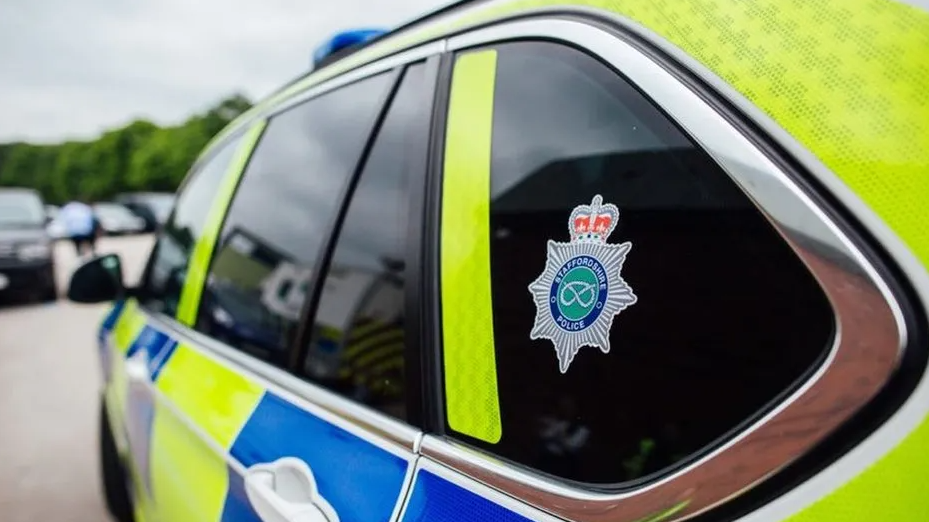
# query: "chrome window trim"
415,54
385,432
797,218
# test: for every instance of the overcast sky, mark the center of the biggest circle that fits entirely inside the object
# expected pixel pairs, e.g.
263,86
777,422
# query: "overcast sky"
70,69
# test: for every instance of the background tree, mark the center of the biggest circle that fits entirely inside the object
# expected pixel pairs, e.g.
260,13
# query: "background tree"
140,156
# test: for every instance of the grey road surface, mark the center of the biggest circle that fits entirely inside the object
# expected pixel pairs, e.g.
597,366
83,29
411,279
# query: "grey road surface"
49,384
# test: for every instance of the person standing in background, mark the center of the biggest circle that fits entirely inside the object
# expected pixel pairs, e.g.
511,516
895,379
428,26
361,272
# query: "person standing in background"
80,224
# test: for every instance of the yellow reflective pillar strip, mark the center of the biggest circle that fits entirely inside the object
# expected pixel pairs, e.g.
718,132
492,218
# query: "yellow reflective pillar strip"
203,249
467,318
218,400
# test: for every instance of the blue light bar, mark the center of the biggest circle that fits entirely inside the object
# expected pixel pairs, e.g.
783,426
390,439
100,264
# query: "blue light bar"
342,40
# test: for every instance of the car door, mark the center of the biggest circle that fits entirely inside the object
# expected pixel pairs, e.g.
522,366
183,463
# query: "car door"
640,316
243,425
134,347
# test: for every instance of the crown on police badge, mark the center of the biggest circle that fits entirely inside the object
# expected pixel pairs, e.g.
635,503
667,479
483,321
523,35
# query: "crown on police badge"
593,223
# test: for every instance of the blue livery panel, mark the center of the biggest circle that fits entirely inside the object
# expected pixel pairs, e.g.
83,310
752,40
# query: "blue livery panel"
435,499
360,480
103,339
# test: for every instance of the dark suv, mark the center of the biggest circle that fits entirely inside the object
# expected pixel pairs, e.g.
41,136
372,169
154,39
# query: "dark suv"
27,264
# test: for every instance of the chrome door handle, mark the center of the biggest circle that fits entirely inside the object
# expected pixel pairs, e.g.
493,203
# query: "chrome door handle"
137,367
285,491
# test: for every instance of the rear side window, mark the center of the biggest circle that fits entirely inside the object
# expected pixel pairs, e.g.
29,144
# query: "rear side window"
358,343
622,357
281,214
167,266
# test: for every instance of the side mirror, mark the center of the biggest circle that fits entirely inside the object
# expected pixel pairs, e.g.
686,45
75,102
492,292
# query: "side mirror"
98,280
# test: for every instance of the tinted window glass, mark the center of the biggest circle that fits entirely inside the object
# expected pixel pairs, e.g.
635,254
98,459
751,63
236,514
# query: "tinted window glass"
164,277
280,216
357,346
725,317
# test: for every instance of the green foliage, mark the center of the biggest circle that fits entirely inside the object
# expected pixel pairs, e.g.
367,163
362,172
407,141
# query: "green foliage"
138,157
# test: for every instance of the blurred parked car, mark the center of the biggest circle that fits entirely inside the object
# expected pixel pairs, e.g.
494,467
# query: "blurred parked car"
27,265
117,220
54,225
56,228
153,207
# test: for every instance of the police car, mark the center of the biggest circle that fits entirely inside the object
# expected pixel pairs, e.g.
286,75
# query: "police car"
545,260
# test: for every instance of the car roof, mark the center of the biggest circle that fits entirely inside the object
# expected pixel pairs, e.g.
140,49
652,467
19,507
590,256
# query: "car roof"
19,190
22,193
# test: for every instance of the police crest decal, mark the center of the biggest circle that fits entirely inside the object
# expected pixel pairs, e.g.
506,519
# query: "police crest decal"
581,288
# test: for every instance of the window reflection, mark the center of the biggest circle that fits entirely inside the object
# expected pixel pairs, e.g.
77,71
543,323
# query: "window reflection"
239,302
167,266
357,346
280,217
265,260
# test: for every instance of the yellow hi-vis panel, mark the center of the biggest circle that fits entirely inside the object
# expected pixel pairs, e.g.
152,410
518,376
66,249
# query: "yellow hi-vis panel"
189,478
201,408
217,399
203,249
467,319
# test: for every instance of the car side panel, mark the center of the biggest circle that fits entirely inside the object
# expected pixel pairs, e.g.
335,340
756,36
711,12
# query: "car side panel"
143,412
201,408
105,340
359,479
128,405
436,499
439,494
207,422
118,339
173,458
